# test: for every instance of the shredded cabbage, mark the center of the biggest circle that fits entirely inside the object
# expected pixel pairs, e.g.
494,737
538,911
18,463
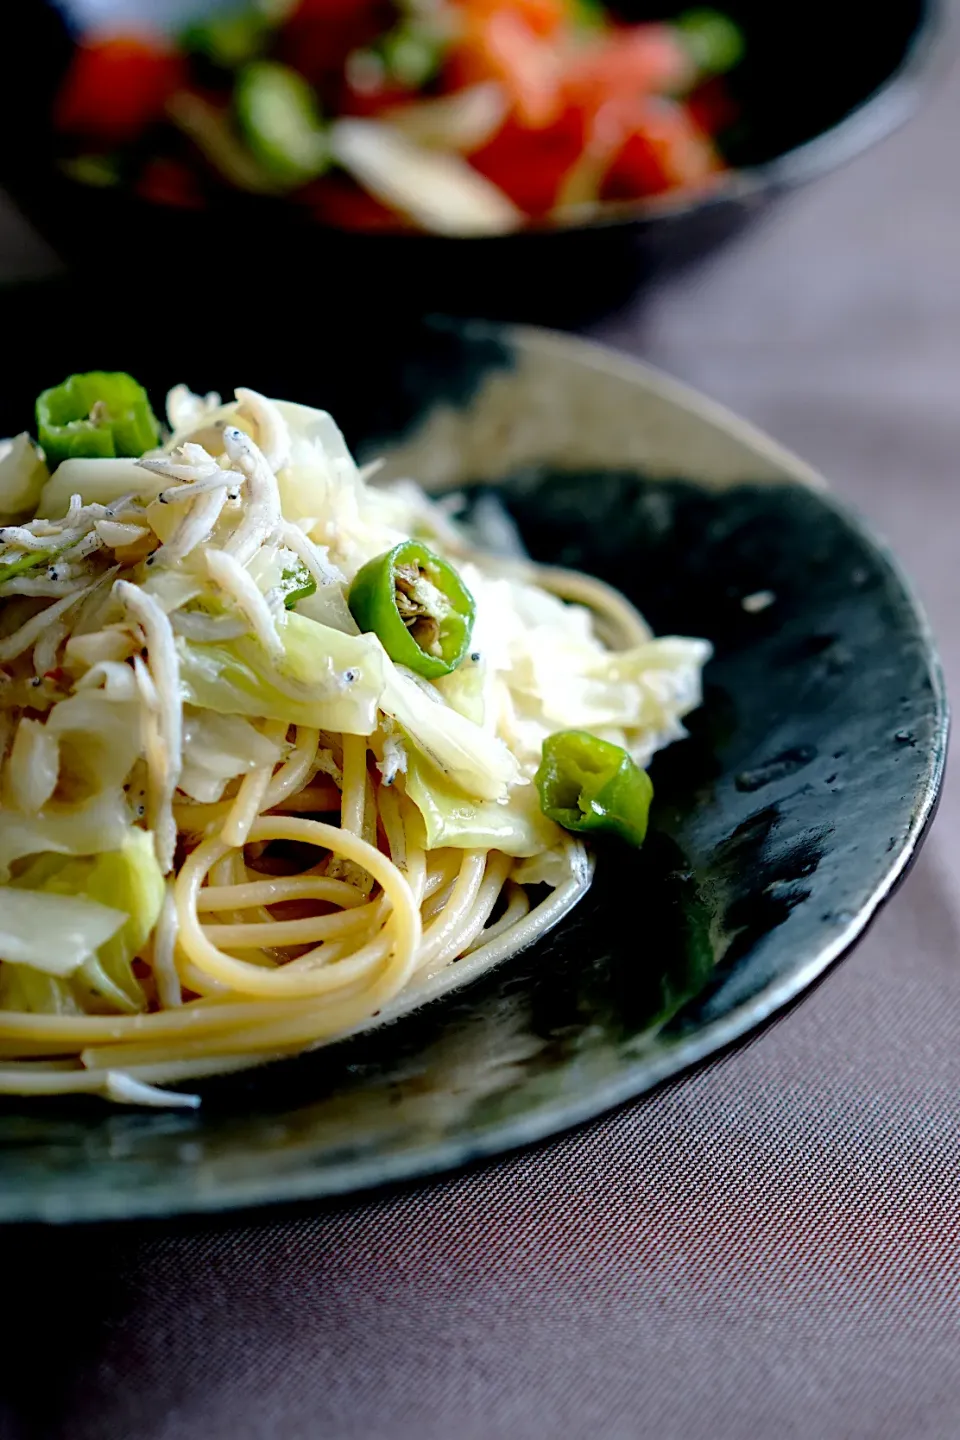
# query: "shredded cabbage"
24,988
97,482
324,679
23,475
328,606
57,936
98,737
471,758
541,668
465,689
221,747
127,880
515,825
99,824
34,767
321,489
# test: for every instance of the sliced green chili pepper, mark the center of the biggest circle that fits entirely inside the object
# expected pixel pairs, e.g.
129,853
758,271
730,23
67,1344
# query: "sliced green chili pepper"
714,43
411,54
99,414
296,584
280,121
418,607
589,785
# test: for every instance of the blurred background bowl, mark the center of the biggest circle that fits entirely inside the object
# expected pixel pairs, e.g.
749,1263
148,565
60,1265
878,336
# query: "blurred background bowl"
820,82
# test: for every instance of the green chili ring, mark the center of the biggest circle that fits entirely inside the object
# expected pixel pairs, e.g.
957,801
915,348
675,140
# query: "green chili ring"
98,415
281,123
589,785
417,606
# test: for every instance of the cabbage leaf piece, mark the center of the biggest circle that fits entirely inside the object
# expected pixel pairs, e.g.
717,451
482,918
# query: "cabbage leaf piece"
516,825
324,679
125,885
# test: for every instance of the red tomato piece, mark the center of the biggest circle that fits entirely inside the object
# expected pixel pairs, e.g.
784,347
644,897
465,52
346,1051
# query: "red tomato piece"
115,88
666,151
641,59
638,170
529,165
502,46
544,17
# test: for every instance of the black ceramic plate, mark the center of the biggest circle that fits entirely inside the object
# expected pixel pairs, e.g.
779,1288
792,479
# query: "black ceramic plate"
780,826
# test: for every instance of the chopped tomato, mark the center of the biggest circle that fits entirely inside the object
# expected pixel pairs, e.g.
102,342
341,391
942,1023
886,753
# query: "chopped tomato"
115,88
637,171
503,46
529,165
168,182
666,151
644,59
544,17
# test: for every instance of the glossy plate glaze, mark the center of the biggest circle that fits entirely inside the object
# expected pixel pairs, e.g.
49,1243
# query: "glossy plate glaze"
780,826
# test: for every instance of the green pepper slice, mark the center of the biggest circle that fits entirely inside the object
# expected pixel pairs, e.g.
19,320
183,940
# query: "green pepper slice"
100,415
592,786
296,584
411,55
417,606
713,42
281,123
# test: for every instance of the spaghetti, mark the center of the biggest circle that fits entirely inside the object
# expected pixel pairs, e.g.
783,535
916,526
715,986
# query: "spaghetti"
256,829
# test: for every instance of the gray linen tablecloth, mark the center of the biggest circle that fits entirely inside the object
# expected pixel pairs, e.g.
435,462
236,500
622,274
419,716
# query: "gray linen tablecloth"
766,1248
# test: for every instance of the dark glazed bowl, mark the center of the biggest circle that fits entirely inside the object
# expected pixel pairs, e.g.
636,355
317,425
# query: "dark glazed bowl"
780,825
821,82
